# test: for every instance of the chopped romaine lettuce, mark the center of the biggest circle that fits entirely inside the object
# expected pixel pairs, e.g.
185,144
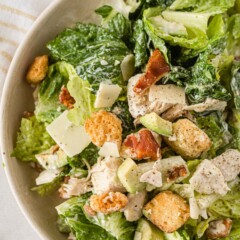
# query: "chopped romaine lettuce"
121,109
140,44
79,89
235,83
212,6
88,155
73,216
204,83
115,22
228,205
234,122
114,223
48,188
233,41
48,106
32,139
94,51
216,128
196,38
203,225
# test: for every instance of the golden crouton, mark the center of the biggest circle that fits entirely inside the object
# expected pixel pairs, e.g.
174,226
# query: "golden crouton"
190,140
103,127
38,69
108,202
168,211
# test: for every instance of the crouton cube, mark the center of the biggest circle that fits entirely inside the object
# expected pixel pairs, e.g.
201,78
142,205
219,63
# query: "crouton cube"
168,211
108,202
103,127
189,140
38,69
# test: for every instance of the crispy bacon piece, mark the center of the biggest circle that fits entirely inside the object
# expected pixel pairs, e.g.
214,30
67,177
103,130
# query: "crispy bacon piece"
65,98
141,145
156,68
176,172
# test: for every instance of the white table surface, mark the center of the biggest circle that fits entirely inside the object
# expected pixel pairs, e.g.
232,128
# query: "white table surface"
13,225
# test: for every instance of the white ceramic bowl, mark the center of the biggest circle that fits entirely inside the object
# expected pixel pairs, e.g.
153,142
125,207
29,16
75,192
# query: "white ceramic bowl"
17,97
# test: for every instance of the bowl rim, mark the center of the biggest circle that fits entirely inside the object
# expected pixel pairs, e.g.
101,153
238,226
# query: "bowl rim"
6,90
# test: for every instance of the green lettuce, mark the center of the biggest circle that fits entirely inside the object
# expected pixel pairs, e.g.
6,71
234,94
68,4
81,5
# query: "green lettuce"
228,205
48,188
48,106
174,31
177,235
203,226
212,6
115,22
94,51
233,41
204,82
115,224
235,83
217,130
234,122
121,109
32,139
72,215
140,42
79,89
89,155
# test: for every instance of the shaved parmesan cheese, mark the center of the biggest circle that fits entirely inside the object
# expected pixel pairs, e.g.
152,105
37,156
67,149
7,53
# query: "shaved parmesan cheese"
107,94
70,138
109,149
167,94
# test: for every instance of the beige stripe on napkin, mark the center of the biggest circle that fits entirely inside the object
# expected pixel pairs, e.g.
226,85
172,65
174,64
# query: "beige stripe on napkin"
16,18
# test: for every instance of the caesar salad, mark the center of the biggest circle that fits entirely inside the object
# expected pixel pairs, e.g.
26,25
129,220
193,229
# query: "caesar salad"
137,122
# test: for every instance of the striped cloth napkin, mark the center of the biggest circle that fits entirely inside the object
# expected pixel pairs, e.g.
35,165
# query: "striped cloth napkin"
16,18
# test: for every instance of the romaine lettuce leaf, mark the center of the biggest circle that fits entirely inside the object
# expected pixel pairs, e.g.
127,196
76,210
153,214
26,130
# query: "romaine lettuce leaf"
233,41
48,188
234,122
193,38
79,89
228,205
89,155
203,225
94,51
217,129
47,105
115,22
71,212
212,6
116,224
32,139
121,109
235,83
140,42
203,82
